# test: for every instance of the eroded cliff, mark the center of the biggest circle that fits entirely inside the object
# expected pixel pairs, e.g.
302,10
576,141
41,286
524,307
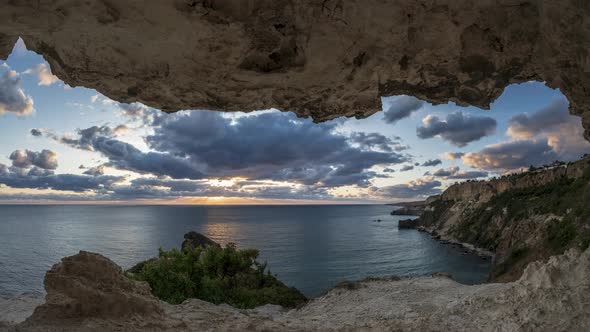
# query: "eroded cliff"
318,58
520,218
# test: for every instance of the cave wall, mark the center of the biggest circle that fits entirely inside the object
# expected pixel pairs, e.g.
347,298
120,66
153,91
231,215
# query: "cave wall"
318,58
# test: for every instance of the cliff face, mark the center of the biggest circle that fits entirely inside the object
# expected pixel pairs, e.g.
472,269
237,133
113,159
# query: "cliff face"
318,58
520,218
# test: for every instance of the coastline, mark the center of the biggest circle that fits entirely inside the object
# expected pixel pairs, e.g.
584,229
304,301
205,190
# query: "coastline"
448,240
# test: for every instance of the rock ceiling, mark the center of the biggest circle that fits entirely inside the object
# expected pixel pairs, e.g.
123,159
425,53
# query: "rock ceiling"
317,58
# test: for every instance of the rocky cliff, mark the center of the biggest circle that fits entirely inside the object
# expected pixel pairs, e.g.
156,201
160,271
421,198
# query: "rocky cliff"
519,218
318,58
551,296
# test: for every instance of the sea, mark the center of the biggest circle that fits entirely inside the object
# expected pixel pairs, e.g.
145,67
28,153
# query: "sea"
311,247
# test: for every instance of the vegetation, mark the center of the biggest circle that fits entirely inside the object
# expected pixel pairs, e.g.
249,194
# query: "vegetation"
561,233
217,275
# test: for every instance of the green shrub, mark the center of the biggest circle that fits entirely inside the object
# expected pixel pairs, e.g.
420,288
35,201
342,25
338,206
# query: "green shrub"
561,233
217,275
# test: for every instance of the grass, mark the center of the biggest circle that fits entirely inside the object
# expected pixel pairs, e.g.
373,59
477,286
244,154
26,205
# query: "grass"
217,275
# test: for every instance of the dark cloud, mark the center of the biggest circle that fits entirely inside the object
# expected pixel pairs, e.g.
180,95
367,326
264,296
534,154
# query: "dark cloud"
431,162
406,168
389,170
511,155
416,189
457,128
95,171
268,146
272,146
45,159
36,178
36,132
402,107
125,156
12,97
453,155
376,140
456,173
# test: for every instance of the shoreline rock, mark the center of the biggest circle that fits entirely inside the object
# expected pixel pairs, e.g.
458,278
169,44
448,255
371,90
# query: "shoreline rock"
407,224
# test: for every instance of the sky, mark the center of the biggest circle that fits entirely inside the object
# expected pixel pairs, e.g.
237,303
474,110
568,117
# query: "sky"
72,145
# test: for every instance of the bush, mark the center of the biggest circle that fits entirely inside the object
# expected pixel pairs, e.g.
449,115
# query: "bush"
217,275
561,233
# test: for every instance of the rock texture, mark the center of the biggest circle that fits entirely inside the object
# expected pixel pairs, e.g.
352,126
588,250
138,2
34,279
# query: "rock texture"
318,58
550,296
89,289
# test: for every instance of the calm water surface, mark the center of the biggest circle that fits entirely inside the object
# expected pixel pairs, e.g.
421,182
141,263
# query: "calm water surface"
309,247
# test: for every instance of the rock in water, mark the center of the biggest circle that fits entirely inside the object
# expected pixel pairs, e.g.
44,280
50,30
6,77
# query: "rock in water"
406,223
89,285
193,240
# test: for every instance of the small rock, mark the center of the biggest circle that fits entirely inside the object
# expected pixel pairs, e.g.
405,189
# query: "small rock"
193,240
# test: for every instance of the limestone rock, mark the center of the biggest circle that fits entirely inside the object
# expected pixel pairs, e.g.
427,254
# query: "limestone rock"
322,59
88,286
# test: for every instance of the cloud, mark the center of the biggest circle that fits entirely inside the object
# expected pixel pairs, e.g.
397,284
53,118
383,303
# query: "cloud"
419,188
12,97
45,159
43,73
40,179
166,188
138,111
457,128
431,162
406,168
401,108
36,132
511,155
389,170
95,171
94,98
272,146
376,140
125,156
563,132
456,173
453,155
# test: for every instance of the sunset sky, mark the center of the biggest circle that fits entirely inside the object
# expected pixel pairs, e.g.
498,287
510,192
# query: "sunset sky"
73,145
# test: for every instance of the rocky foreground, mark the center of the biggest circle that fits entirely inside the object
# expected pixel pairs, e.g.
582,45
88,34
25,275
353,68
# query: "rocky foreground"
88,292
